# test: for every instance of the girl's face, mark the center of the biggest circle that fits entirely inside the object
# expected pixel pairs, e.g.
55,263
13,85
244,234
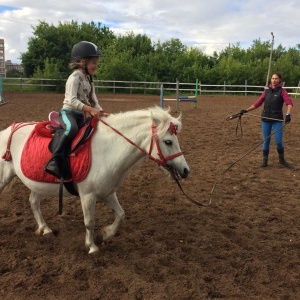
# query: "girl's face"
92,65
275,80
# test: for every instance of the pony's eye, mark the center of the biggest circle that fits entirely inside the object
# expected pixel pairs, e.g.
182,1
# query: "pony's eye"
168,142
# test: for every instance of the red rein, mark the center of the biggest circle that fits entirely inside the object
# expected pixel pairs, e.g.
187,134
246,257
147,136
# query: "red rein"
162,161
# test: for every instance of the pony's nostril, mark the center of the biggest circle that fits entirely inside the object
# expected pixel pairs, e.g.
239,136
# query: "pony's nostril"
186,171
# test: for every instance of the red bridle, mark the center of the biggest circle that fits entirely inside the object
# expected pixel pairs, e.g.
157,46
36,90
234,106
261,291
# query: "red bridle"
162,161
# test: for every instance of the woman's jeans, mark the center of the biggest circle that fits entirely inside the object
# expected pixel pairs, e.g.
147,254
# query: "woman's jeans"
266,131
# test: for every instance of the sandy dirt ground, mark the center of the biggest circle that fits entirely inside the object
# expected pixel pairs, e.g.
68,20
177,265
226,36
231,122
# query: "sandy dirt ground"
244,245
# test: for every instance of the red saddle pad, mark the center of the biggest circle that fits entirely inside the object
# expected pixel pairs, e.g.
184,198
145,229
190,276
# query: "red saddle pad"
35,156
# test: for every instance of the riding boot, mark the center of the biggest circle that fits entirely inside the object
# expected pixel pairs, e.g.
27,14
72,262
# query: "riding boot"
265,158
59,160
282,161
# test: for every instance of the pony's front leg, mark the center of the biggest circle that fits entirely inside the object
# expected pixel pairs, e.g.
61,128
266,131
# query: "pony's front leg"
35,200
112,202
88,203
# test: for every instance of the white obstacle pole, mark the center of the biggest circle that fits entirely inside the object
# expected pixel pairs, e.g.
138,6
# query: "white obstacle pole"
297,89
179,98
191,98
270,62
196,93
177,95
161,98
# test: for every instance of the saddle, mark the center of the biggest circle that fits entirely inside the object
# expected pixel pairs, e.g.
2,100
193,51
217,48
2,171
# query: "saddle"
53,129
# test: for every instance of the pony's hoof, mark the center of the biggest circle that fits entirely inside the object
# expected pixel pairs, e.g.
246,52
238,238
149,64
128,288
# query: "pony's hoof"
43,232
94,249
47,232
38,232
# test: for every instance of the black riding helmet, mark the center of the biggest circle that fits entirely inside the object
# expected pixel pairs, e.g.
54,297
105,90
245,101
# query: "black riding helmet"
85,49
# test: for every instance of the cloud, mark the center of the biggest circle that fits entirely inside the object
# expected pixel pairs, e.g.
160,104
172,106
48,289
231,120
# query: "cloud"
210,25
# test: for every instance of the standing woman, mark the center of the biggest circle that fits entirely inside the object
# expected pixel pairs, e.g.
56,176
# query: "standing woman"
80,99
273,98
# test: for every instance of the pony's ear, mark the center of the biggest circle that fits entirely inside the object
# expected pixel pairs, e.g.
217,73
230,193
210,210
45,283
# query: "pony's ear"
154,120
179,117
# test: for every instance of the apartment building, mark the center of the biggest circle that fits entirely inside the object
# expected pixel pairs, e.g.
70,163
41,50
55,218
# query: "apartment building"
2,58
9,66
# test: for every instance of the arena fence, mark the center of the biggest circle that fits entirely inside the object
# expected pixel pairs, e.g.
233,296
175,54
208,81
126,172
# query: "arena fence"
141,87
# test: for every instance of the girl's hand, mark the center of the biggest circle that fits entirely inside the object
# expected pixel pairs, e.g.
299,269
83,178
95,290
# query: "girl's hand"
104,113
94,112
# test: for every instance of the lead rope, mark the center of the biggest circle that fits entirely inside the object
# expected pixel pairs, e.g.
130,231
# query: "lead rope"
162,161
239,122
175,176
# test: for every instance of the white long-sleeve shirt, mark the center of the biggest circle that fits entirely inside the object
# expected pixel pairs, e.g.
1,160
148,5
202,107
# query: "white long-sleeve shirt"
77,92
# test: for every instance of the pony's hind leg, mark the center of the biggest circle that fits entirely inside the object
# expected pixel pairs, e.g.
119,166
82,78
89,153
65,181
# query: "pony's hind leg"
35,200
7,173
112,202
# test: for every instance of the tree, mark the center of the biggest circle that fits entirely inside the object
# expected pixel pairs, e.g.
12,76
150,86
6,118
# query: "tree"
195,62
136,45
51,70
117,66
13,73
135,57
235,52
56,43
289,66
167,60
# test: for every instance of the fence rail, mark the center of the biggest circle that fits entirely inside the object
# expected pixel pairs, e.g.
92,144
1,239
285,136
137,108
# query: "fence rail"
134,87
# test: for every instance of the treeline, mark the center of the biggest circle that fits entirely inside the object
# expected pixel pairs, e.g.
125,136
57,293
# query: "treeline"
136,58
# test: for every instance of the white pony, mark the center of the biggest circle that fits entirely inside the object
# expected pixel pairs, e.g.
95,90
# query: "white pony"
119,141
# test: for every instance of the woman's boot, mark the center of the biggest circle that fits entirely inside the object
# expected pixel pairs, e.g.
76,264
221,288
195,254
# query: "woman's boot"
282,161
265,158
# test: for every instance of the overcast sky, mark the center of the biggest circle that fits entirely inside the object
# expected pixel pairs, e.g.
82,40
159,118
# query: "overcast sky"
210,25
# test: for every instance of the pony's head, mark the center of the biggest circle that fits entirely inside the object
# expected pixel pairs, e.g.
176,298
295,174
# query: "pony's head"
168,149
161,145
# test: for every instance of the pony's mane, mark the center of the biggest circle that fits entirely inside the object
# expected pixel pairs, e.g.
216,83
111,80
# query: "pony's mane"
162,117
